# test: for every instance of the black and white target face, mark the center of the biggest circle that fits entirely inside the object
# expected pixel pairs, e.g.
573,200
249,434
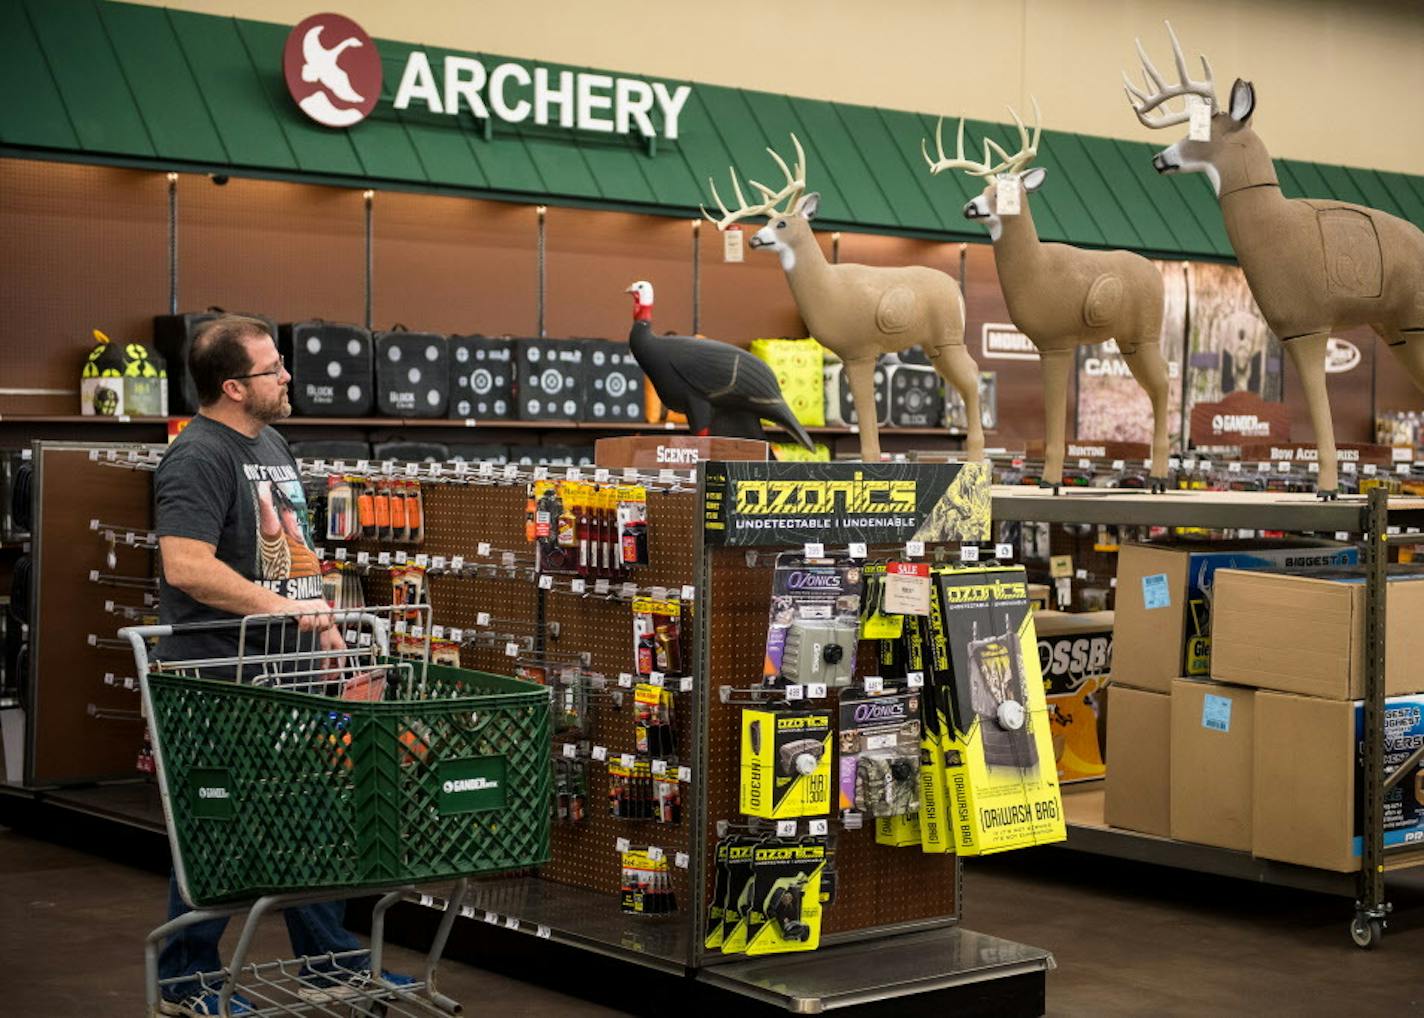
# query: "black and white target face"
551,381
482,381
617,385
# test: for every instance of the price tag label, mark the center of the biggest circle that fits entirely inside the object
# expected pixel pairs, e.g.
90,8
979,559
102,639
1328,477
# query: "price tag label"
1174,462
659,766
417,631
438,562
655,679
685,684
684,774
1283,467
541,473
599,753
1234,467
1003,551
969,553
1199,118
874,684
794,692
681,861
578,586
457,563
1263,468
400,626
1403,469
341,554
915,680
1348,468
914,549
688,592
400,558
732,250
457,635
630,473
1006,195
1312,468
438,632
570,750
655,853
600,474
1081,574
628,590
511,649
506,559
511,471
546,582
573,474
1369,469
857,549
543,933
492,918
511,923
1085,464
625,679
412,469
667,476
422,560
600,586
1119,465
814,549
816,691
482,619
817,827
622,845
627,759
786,828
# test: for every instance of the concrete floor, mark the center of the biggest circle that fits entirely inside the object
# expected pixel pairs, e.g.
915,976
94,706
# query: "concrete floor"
1129,940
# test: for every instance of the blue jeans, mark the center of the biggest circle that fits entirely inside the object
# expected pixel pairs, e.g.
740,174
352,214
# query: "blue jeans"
314,930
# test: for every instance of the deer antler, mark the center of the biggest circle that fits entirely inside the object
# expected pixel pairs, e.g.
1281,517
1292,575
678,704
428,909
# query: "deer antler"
983,169
791,192
1160,92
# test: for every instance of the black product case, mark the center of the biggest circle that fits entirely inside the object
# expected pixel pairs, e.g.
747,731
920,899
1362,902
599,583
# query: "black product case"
412,374
550,378
613,383
482,378
331,366
171,335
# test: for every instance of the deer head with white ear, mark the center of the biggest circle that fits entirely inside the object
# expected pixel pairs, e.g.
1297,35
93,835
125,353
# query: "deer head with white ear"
785,231
982,208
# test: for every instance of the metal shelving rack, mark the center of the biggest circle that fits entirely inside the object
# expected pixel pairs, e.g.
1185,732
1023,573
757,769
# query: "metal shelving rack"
1379,520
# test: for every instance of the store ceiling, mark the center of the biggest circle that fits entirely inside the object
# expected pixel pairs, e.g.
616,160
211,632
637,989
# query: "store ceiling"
113,82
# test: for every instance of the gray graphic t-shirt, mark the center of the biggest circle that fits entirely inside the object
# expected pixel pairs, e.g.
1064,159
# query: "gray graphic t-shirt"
243,496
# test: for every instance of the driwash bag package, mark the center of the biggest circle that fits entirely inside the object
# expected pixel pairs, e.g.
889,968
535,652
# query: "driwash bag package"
999,762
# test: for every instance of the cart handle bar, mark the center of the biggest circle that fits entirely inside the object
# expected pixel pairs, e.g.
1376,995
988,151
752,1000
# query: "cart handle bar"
138,636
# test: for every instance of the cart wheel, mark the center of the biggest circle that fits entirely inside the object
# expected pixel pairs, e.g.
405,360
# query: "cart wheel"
1366,933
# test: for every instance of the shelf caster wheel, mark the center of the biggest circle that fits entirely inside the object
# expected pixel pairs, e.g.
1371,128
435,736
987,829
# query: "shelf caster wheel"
1366,932
1328,496
1157,485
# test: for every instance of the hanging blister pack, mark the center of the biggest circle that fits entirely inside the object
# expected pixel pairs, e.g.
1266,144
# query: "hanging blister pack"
787,896
814,628
879,739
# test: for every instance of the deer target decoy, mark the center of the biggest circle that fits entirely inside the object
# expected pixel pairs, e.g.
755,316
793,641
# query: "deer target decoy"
1063,297
1313,266
860,311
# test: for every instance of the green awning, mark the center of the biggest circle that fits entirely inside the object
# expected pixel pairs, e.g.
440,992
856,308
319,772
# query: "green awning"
146,86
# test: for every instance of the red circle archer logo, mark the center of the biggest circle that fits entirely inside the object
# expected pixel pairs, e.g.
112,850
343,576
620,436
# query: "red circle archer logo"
332,69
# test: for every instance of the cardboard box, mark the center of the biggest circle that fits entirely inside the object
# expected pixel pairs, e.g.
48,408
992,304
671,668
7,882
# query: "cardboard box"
1212,744
1075,657
1304,808
1164,600
1137,793
1306,633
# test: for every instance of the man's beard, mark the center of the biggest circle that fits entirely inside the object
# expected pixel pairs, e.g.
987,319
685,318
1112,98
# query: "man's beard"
270,412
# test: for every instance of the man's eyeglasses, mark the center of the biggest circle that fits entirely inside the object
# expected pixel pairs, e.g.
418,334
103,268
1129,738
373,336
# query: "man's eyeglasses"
281,366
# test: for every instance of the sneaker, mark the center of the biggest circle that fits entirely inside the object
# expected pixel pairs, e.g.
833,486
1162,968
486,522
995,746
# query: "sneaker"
335,986
207,1002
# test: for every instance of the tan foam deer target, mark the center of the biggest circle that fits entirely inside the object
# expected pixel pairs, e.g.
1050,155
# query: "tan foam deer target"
860,311
1313,266
1063,297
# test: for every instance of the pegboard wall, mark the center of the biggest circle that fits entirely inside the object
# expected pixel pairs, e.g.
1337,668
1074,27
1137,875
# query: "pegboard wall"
83,729
460,517
877,886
